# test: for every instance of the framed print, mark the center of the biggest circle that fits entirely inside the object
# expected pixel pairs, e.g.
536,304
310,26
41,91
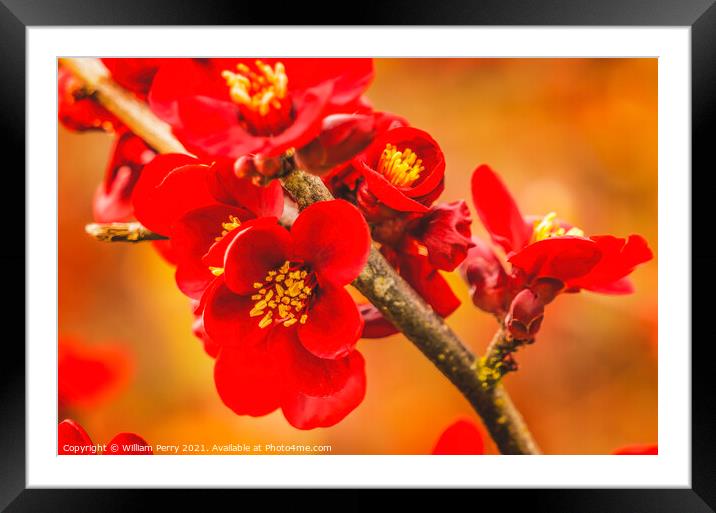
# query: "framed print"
368,256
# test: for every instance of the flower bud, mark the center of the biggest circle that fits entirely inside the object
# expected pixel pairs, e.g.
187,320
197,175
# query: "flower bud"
487,278
525,316
342,137
547,289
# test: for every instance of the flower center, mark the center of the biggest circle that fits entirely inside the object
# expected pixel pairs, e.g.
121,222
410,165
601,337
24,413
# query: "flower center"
227,226
283,296
401,168
548,227
262,96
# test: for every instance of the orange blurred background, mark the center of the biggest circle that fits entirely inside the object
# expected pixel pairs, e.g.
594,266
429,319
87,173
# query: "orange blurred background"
575,136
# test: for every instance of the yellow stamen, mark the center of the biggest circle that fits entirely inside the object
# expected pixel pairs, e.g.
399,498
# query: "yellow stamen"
227,226
258,90
548,227
284,292
401,168
216,271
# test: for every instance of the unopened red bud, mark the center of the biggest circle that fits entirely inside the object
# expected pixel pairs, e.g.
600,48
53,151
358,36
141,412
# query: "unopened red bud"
487,279
525,316
547,289
244,167
268,167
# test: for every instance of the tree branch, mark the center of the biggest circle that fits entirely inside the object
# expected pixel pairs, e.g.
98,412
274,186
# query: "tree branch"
378,282
121,232
408,312
123,104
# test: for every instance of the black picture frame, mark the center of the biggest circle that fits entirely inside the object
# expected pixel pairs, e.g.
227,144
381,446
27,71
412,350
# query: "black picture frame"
17,15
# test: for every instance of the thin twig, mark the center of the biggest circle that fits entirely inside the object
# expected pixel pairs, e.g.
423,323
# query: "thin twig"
121,232
378,282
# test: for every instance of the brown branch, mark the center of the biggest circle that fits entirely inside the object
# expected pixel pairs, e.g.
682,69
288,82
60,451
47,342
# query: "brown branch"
407,310
498,359
121,232
378,282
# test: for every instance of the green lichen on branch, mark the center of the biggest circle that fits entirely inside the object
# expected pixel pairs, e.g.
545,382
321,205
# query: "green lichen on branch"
498,360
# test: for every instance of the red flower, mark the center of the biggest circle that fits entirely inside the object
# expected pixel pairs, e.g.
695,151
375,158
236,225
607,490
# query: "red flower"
403,171
72,439
461,437
643,449
135,75
344,178
113,198
284,322
234,107
89,375
199,206
547,255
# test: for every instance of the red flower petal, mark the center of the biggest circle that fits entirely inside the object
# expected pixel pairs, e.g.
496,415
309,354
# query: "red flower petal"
334,324
112,201
165,250
69,433
563,258
445,232
249,380
375,325
169,186
620,257
387,193
134,74
319,392
645,449
192,235
498,210
462,437
128,443
429,283
349,77
261,201
89,375
211,347
183,78
333,238
226,317
255,251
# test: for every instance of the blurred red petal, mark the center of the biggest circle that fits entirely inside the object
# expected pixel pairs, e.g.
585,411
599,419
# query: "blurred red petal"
127,443
71,438
462,437
642,449
91,374
498,211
